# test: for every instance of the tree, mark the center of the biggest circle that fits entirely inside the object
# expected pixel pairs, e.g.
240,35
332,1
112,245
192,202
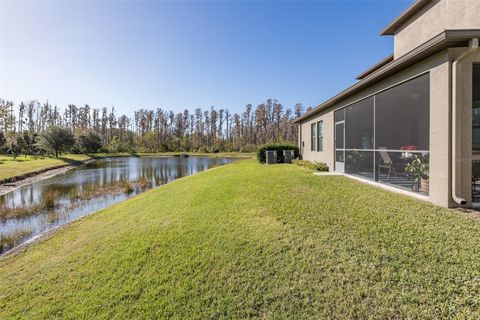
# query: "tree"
89,142
15,144
29,142
31,120
3,141
152,130
55,140
7,117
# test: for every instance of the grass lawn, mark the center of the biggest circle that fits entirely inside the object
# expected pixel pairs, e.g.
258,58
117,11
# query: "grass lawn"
252,241
20,166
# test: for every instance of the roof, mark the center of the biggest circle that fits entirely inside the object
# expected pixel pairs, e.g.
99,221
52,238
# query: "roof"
375,67
401,19
445,39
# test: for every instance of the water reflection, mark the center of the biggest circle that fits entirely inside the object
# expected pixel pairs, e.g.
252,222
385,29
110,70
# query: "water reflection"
139,173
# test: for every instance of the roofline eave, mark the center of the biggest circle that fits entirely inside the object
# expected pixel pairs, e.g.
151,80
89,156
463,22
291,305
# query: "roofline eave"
444,40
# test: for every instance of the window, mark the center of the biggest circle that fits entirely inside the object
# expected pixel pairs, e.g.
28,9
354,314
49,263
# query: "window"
320,136
476,108
313,132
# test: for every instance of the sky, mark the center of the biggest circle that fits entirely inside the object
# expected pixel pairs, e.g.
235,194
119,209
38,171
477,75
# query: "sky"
180,55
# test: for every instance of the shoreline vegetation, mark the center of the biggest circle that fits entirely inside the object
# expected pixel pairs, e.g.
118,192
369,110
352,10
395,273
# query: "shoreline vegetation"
50,208
14,170
252,241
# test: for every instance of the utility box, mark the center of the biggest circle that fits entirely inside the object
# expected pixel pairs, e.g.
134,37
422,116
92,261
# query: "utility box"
271,156
288,156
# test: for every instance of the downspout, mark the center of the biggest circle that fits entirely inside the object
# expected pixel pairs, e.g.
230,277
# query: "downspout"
473,45
300,147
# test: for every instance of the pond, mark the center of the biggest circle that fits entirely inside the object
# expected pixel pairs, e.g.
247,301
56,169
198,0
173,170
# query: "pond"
34,209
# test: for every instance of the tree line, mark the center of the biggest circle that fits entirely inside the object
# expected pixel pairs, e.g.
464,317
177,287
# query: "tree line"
24,128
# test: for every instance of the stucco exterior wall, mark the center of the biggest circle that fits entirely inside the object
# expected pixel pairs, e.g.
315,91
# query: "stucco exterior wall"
328,139
440,143
423,26
464,122
438,66
433,19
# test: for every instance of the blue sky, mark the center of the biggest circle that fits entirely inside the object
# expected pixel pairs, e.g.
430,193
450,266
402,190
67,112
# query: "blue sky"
179,55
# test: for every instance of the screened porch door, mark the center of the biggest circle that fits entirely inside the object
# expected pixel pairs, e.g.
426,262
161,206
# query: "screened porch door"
340,146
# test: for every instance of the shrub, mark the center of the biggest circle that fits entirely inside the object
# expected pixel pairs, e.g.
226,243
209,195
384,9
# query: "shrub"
115,145
312,165
128,188
276,146
248,148
212,149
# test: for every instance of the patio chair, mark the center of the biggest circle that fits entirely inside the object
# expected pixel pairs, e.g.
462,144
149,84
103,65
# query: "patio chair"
385,162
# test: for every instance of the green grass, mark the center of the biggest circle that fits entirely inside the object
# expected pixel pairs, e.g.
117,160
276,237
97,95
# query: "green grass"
11,168
20,166
252,241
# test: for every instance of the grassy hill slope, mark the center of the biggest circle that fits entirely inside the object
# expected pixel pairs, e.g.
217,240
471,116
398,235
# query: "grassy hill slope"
252,241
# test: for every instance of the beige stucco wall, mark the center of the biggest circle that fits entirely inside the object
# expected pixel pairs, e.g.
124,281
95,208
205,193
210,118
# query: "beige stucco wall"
328,135
438,66
440,174
441,95
464,127
436,17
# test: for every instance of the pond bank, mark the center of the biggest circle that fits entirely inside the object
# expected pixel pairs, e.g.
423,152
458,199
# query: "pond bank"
12,170
24,171
36,176
57,197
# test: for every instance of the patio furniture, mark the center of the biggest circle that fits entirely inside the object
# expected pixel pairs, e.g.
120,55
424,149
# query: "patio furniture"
385,162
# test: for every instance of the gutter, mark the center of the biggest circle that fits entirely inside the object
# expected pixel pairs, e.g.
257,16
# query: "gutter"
404,17
375,67
445,39
473,46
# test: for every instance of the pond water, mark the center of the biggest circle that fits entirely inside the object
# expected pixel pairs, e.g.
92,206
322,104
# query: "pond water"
86,189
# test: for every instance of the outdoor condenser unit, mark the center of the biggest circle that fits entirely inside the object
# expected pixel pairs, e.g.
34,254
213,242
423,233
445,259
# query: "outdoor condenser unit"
271,156
287,156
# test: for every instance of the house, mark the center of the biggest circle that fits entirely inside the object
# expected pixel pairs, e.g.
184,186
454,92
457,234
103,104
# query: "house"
412,121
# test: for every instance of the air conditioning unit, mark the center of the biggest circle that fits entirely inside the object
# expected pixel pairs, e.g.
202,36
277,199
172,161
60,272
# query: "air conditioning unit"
271,156
288,156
